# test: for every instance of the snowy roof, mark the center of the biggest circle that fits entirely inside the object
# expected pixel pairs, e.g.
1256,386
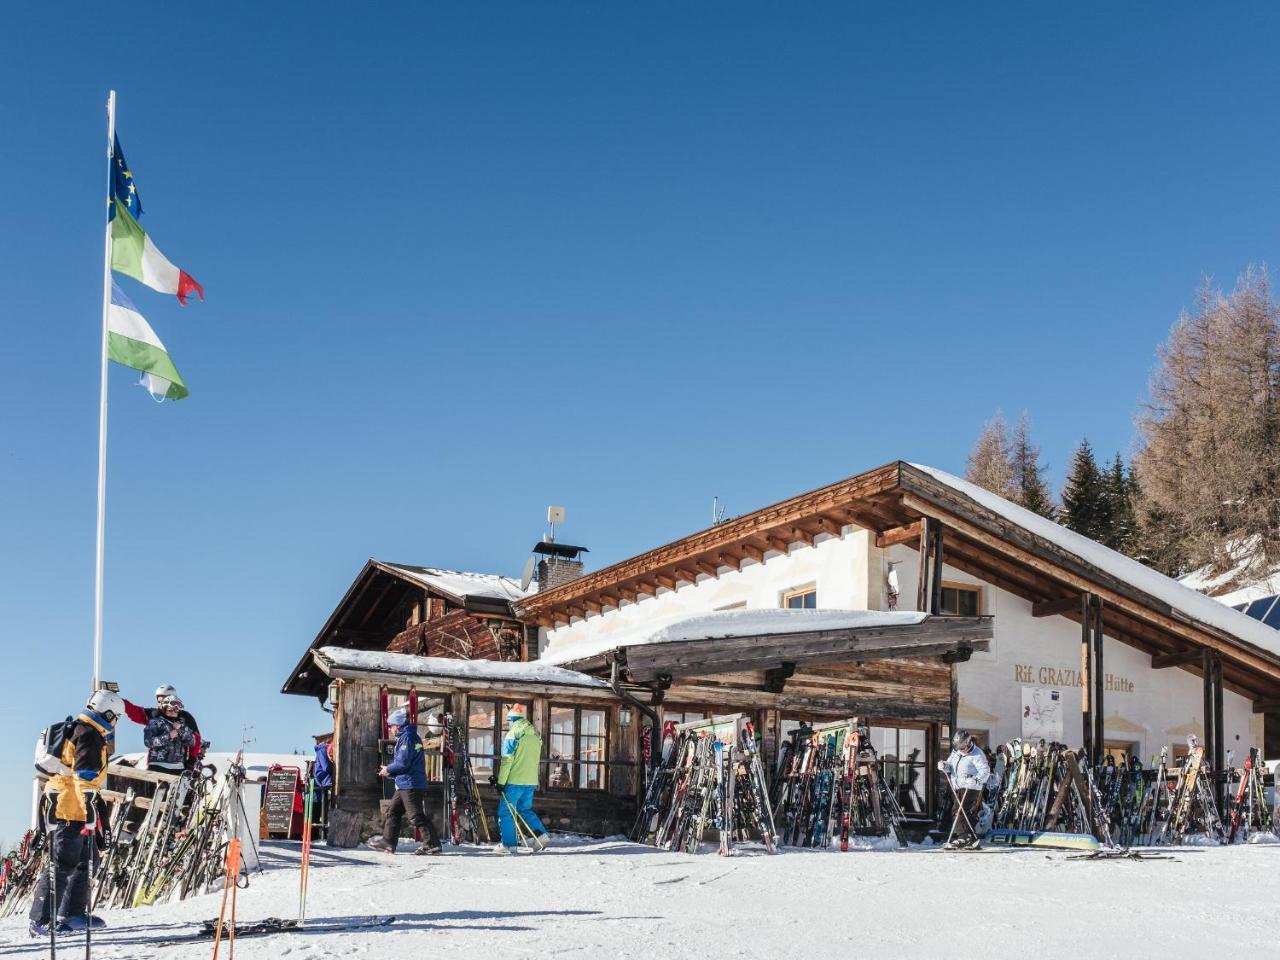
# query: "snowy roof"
726,623
373,661
1182,598
458,584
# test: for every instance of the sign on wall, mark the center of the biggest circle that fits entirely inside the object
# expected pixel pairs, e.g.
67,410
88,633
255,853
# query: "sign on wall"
1041,714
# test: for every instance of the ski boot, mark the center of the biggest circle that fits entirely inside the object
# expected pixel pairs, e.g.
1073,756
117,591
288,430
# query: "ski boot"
78,922
39,929
542,840
503,850
377,843
426,850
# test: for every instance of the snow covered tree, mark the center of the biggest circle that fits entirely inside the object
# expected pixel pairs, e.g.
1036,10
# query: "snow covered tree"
1084,501
1031,490
1209,431
990,463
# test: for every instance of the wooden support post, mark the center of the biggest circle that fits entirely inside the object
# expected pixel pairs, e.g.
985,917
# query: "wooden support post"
1206,678
1086,675
935,590
1098,675
954,712
1219,737
922,580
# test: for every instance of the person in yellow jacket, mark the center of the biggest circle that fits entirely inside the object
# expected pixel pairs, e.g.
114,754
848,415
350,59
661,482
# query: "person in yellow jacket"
68,797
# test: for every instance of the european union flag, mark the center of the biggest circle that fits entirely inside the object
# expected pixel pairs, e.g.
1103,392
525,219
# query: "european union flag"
122,186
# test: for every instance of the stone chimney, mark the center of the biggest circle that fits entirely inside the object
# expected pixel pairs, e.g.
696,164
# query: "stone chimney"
558,563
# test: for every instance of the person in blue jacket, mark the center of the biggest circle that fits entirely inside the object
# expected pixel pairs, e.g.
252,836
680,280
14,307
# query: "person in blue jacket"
409,767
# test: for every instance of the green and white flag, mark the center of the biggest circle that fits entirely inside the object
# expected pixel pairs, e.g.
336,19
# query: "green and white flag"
132,343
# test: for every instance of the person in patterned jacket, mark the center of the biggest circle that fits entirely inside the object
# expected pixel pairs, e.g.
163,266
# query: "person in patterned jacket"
72,797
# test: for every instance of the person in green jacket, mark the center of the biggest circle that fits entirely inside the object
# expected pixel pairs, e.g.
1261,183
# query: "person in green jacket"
517,779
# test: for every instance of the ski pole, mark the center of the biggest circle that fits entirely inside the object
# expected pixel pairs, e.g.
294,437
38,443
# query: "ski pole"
51,902
306,851
90,833
960,807
519,824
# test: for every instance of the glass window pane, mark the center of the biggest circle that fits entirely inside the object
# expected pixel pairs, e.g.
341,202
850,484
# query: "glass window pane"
885,741
591,776
811,600
480,719
560,748
968,605
593,723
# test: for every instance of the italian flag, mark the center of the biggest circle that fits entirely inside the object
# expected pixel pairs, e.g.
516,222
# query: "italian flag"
132,343
134,255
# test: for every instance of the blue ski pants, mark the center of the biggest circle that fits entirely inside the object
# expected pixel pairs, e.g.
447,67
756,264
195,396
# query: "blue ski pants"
522,799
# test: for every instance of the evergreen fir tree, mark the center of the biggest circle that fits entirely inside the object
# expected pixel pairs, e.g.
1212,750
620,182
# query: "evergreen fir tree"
1121,533
1030,488
1084,503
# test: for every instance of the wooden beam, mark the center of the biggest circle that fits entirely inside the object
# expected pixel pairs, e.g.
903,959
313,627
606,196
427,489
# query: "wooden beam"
710,569
779,544
1160,661
752,551
1052,608
826,525
775,678
591,606
665,581
908,534
1266,706
728,559
688,576
627,593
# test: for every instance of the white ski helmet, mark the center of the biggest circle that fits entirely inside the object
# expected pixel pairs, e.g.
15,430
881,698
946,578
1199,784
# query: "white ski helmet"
107,703
165,690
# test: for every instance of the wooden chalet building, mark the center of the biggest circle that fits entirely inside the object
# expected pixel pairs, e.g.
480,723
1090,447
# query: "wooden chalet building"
902,595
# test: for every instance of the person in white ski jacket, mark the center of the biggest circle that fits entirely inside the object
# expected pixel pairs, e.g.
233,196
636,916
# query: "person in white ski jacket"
968,770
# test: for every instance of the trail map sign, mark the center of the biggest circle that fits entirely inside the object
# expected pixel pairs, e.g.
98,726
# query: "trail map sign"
282,788
1041,714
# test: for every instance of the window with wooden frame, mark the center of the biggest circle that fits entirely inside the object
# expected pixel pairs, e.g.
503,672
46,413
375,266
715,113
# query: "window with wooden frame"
577,747
801,598
487,723
961,599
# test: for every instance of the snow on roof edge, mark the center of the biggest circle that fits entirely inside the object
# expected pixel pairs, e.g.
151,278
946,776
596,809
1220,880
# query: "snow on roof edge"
379,661
1181,597
722,624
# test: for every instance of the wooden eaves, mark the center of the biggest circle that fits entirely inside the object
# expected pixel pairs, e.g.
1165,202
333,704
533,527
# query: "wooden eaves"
661,662
892,501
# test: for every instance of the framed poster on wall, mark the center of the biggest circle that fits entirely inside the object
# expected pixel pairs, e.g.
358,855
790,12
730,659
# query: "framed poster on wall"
1041,714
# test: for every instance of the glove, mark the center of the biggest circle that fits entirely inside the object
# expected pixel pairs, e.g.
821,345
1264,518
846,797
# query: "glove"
493,780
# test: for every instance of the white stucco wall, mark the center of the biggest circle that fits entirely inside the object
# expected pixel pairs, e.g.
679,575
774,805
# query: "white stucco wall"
1151,708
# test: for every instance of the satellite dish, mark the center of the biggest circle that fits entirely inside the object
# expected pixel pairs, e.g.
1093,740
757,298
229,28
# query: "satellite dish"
527,577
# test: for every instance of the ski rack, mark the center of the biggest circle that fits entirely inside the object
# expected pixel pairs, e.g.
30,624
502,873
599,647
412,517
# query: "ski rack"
164,847
829,782
710,776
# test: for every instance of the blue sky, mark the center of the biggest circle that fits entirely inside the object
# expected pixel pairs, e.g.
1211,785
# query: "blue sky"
463,261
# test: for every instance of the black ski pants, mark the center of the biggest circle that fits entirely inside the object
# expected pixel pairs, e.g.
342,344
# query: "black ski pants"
71,851
412,803
970,804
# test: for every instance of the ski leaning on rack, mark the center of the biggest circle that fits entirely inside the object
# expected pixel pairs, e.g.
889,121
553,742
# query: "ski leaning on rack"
710,776
830,782
465,820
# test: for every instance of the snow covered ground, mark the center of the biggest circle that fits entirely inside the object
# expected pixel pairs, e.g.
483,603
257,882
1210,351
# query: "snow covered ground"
605,898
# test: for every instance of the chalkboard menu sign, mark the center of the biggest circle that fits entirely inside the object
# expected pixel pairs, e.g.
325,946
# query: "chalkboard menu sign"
282,787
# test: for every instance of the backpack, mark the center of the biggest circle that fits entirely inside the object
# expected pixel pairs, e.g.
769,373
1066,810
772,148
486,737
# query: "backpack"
49,747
